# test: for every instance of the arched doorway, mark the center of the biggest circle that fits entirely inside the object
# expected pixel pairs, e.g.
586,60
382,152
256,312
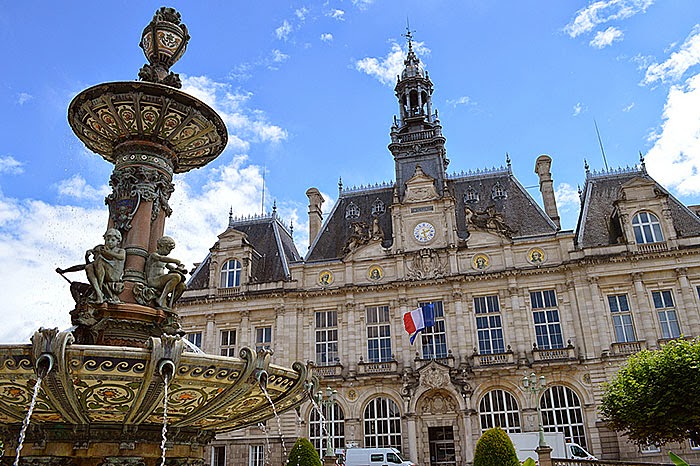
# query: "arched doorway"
439,434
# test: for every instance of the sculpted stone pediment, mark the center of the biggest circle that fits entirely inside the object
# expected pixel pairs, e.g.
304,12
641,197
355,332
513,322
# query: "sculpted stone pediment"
420,187
434,375
426,263
639,189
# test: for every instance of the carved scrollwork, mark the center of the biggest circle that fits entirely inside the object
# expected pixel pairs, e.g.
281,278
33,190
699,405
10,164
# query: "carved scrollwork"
426,263
132,185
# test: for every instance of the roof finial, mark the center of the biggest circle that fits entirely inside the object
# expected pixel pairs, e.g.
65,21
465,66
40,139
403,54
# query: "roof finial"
230,216
409,35
340,185
274,208
291,227
508,161
642,165
586,167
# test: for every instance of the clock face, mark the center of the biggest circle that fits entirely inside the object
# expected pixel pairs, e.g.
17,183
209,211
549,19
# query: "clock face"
424,232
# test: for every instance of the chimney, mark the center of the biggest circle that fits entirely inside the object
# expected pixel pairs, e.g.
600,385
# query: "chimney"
315,217
542,166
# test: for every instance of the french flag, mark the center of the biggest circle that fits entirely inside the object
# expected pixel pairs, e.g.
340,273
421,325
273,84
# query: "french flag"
419,319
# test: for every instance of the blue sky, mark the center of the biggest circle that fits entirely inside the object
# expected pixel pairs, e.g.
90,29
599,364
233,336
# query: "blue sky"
306,89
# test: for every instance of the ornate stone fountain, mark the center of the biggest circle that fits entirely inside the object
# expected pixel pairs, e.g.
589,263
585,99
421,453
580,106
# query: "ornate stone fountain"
103,382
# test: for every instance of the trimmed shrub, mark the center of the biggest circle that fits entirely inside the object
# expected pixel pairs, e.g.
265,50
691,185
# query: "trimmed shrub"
495,448
303,453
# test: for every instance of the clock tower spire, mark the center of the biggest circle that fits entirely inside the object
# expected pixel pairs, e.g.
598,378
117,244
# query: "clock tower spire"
416,136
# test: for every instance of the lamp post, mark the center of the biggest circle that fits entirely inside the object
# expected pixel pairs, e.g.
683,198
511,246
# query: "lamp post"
326,404
536,385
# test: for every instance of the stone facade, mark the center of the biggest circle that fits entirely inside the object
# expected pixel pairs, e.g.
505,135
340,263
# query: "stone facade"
511,293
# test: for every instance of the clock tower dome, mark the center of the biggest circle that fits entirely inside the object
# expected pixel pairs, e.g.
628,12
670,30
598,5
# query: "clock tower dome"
416,136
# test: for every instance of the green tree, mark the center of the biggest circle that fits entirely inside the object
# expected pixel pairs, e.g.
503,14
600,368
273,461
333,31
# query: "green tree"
655,397
494,448
303,453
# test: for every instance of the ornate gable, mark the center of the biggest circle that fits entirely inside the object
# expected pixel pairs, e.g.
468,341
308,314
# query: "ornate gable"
420,187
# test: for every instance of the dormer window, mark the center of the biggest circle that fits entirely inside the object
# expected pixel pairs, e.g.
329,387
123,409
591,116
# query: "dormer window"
471,196
231,274
352,211
498,192
647,228
378,207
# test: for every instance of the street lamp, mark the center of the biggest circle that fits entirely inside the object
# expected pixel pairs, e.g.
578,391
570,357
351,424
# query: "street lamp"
326,403
536,385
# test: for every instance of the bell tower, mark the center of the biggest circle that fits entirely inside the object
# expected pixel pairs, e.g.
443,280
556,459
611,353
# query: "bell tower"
416,137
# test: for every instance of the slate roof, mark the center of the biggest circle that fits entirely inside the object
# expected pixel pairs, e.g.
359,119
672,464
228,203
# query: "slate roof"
273,244
595,225
520,211
337,229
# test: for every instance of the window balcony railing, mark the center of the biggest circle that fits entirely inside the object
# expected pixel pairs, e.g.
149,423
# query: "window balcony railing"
494,359
652,247
383,367
230,291
627,347
553,354
329,371
446,360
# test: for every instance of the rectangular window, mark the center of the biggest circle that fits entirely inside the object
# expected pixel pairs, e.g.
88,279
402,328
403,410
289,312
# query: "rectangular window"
195,338
546,319
666,309
649,448
378,334
622,318
489,329
228,343
693,445
256,457
218,456
326,337
263,338
434,342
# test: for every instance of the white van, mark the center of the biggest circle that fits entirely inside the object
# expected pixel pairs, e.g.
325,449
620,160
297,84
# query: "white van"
526,443
374,457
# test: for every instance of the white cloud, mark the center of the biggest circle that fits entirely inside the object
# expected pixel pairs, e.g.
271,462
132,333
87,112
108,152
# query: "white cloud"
77,188
362,4
628,108
301,13
463,100
386,69
278,56
674,159
9,164
230,104
604,11
23,98
284,30
327,37
337,14
578,108
567,198
678,63
605,38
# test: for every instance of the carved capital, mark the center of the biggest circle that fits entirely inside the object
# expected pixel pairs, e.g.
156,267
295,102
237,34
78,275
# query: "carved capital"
681,272
637,276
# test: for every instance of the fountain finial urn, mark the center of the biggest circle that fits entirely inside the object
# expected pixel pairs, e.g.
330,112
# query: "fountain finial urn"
163,41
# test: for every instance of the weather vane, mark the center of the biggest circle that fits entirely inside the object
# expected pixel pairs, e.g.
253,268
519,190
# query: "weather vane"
409,33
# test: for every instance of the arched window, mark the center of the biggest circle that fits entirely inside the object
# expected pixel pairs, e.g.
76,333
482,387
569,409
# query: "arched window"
498,191
378,207
561,412
231,274
352,211
499,408
382,421
647,228
470,195
333,423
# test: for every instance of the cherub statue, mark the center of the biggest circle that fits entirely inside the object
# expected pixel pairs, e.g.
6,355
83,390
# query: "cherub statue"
165,274
104,272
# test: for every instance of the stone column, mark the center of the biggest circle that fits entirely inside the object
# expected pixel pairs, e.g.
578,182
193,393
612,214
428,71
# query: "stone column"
209,340
600,329
686,296
645,322
412,437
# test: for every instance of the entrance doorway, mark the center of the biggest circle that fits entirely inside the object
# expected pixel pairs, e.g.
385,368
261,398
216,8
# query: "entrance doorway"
442,446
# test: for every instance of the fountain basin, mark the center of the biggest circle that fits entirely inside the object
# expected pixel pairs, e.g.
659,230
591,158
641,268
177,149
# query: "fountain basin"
94,396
